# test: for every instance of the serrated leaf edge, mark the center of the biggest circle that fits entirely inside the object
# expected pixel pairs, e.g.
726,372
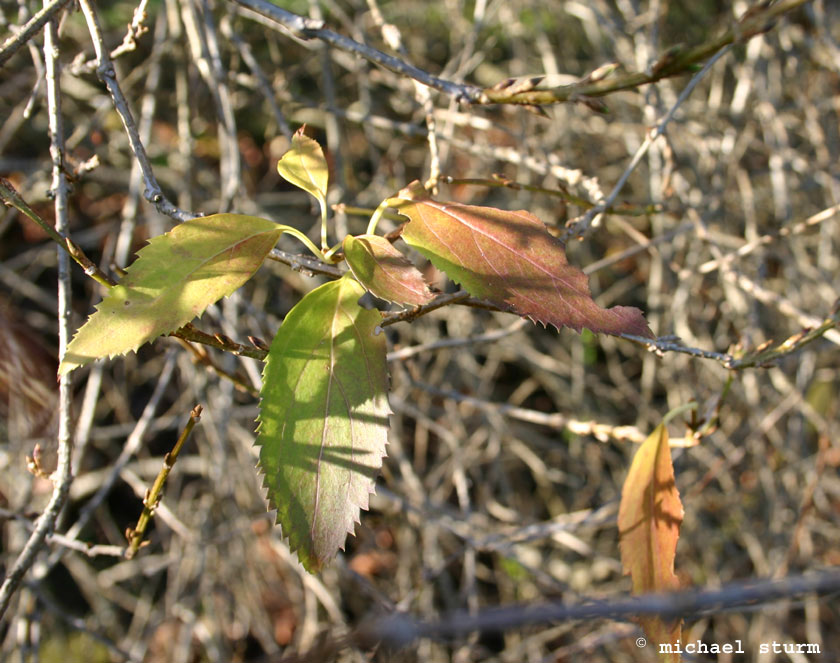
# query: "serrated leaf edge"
314,564
280,229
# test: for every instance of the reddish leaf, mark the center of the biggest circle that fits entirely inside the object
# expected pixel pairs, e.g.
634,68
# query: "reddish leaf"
649,521
385,271
510,259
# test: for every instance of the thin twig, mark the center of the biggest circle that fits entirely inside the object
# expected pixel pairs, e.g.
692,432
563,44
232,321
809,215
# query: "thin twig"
556,420
88,549
153,496
769,356
417,311
63,476
391,35
125,237
188,332
33,26
749,247
129,449
305,264
12,198
191,333
498,181
580,227
786,307
307,28
675,61
201,356
203,44
263,83
135,30
487,337
661,345
105,70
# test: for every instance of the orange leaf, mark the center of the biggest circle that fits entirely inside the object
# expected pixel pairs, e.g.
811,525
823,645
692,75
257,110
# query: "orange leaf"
649,521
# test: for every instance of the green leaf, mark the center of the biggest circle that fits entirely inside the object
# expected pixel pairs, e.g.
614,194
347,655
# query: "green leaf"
510,259
304,166
649,519
323,420
385,271
174,279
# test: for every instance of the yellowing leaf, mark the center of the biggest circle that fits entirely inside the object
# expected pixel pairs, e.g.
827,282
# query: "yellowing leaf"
510,259
649,521
385,271
323,420
304,166
175,277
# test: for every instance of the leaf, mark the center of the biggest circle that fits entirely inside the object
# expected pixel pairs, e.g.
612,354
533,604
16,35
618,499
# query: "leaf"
323,420
304,166
385,271
174,279
649,519
510,259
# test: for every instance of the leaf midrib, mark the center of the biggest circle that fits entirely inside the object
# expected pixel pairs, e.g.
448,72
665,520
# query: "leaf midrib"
447,209
172,286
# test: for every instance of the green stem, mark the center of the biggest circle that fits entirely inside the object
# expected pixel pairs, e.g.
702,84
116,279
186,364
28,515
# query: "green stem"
769,356
367,211
677,411
308,243
324,240
328,256
377,214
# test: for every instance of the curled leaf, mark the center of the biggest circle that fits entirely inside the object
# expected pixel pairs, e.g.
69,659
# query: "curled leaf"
384,271
305,166
649,520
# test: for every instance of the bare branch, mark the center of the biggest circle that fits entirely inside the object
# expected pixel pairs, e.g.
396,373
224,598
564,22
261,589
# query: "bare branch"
13,43
105,70
307,28
63,477
401,630
593,215
673,62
